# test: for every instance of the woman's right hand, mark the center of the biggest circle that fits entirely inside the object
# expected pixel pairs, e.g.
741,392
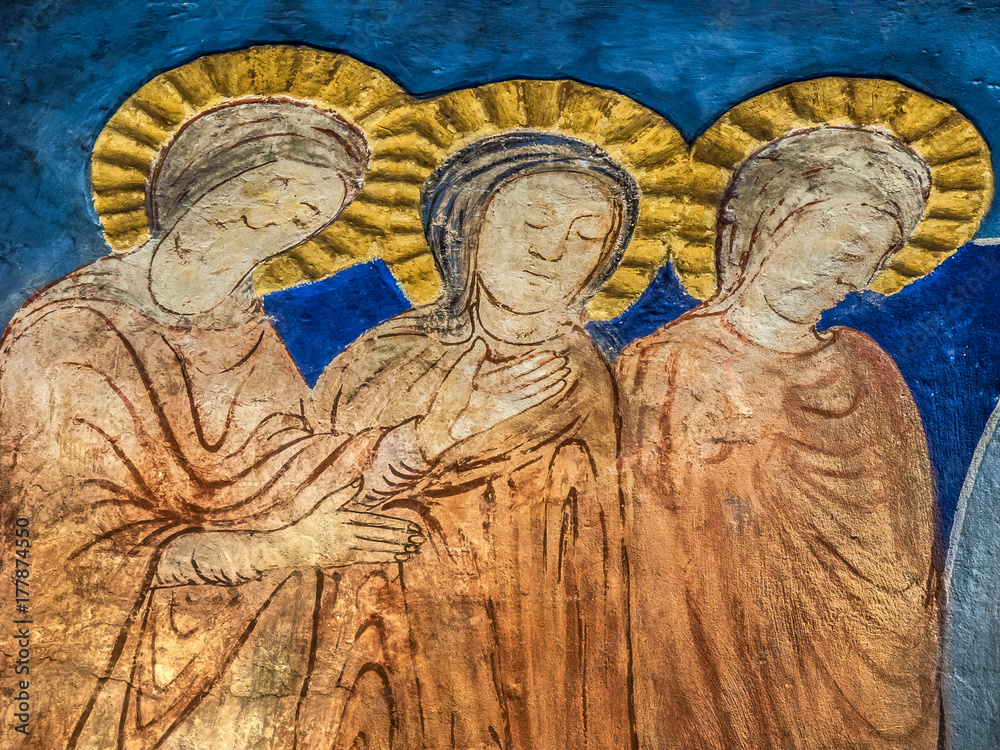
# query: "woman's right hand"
324,540
474,398
329,537
332,536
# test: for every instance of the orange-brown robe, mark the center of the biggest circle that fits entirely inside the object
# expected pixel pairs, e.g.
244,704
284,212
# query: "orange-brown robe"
781,536
516,604
120,432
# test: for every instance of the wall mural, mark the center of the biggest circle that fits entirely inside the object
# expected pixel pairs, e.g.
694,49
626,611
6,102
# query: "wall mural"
508,416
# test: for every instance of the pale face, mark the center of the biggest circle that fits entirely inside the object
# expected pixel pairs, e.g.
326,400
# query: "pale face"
821,254
215,246
280,204
542,237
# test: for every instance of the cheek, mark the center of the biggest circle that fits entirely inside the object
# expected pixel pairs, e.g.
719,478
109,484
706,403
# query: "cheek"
501,249
579,262
860,274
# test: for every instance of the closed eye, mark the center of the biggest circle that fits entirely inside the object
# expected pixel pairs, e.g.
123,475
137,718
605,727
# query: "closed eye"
536,226
588,227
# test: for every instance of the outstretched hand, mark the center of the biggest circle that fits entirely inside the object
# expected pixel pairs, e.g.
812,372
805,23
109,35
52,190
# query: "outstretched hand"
476,395
333,536
329,537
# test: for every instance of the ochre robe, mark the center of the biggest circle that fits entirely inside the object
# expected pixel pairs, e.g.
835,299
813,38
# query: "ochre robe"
120,432
781,535
515,606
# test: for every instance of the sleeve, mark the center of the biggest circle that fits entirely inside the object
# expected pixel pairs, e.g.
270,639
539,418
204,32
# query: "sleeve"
398,465
104,479
651,413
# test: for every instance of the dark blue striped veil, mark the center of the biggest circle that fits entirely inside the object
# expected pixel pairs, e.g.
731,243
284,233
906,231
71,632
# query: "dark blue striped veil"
454,200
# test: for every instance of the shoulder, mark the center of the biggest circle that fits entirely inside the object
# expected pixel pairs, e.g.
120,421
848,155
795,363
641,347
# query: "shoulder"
400,339
692,337
688,356
88,294
57,330
374,358
864,356
873,374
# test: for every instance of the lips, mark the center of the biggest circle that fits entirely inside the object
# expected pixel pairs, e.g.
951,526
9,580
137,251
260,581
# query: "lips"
539,275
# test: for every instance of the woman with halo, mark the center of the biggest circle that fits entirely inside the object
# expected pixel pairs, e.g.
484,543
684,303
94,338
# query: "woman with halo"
188,517
516,610
782,526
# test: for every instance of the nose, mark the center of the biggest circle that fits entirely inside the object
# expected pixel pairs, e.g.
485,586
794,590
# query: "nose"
550,250
550,253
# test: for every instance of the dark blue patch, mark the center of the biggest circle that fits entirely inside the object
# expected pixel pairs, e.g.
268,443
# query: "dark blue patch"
663,301
318,321
942,333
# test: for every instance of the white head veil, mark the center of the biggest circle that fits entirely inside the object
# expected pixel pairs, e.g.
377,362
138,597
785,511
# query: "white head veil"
227,141
803,168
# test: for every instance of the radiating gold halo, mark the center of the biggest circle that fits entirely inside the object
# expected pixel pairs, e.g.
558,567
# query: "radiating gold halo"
415,140
955,152
680,189
135,134
409,140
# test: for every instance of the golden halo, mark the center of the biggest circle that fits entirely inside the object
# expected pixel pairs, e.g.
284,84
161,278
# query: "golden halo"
680,189
135,134
408,139
415,140
955,152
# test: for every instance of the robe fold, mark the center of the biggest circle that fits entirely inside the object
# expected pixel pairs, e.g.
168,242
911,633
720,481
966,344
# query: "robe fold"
515,606
781,531
119,432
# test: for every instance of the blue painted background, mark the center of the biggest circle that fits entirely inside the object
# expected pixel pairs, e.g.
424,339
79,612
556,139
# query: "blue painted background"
68,64
318,321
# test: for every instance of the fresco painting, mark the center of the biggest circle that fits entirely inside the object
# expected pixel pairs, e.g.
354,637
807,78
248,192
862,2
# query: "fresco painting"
506,415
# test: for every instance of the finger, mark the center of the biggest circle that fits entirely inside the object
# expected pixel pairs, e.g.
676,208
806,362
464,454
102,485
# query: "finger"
505,380
521,365
542,396
248,574
372,544
539,373
217,575
385,522
394,536
529,390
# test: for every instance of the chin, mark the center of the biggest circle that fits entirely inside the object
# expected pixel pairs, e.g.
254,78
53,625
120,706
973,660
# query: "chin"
530,309
802,316
807,308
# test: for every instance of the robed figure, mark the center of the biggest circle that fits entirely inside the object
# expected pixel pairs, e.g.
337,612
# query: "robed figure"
782,510
516,610
191,546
